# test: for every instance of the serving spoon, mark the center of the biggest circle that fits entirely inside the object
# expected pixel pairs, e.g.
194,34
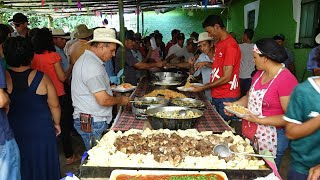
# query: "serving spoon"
224,151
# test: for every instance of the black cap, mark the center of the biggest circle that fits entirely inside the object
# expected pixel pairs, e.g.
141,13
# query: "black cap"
19,18
194,35
279,37
180,36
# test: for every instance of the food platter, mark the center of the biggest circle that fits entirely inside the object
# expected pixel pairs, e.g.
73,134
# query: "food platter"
121,88
183,88
120,174
237,110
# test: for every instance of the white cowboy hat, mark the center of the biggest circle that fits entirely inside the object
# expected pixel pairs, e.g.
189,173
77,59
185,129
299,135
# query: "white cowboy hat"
203,37
317,39
105,35
60,33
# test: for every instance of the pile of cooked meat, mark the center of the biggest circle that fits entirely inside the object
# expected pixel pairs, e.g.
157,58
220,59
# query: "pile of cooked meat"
171,147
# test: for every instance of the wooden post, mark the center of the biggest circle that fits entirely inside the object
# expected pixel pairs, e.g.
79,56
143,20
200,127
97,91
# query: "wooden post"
142,19
138,14
122,36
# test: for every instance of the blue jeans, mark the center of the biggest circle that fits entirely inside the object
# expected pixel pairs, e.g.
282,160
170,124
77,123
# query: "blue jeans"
245,85
295,175
218,103
282,145
97,130
10,161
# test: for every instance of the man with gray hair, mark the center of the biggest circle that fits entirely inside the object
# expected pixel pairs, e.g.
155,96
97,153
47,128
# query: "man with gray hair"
90,87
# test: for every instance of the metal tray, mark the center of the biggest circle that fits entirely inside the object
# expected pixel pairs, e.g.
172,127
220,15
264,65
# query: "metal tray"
105,172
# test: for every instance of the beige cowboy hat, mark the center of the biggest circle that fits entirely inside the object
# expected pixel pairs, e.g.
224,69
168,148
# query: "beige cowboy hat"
105,35
60,33
204,36
82,31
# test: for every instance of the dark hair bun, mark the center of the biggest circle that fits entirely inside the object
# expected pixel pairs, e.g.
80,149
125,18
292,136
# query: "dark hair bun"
272,50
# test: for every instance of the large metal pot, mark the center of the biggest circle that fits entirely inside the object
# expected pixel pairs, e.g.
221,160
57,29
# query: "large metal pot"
170,122
188,102
167,76
143,103
166,84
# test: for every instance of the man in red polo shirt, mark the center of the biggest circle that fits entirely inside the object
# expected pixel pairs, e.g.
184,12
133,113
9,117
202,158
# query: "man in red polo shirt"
225,67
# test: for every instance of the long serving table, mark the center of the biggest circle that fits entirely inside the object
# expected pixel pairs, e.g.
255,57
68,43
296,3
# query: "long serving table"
210,121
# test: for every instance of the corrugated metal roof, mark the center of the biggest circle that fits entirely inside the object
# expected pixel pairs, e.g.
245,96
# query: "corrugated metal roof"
89,7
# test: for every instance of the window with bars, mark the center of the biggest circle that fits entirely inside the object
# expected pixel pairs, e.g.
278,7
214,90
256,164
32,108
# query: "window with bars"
309,22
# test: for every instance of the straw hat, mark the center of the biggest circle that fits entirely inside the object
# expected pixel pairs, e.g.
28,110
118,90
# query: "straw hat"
317,39
105,35
204,36
60,33
83,31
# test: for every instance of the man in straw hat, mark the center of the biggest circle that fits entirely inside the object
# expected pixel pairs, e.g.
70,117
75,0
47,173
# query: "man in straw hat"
83,34
202,64
90,87
66,122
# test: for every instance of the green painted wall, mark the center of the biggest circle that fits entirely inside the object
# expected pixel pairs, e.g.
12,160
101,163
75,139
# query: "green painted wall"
275,16
176,19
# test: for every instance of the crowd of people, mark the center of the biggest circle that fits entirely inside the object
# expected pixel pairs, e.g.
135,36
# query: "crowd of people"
51,83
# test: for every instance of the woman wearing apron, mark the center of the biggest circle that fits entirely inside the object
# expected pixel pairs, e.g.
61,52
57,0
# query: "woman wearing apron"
267,99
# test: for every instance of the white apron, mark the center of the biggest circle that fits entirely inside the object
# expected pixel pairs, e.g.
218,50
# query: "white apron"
266,136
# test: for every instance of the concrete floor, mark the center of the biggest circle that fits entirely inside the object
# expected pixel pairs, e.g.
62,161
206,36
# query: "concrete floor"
79,149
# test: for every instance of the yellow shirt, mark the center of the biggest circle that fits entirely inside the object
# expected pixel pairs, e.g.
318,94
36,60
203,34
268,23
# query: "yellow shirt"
77,49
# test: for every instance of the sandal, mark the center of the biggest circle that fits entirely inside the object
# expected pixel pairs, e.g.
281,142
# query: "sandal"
72,159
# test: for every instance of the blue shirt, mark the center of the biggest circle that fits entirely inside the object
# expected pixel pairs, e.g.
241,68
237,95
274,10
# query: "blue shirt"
109,67
290,59
312,61
5,131
65,63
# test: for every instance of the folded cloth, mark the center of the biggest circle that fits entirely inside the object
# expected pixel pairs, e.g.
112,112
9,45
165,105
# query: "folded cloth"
272,164
116,79
271,176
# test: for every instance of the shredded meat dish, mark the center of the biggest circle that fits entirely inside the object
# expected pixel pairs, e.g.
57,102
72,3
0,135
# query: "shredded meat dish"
172,148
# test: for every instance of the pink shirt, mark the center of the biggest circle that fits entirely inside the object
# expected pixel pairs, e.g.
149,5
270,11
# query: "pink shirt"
156,56
283,85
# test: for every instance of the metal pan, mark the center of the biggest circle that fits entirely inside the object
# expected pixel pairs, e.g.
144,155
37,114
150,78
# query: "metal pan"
188,102
166,84
171,123
150,102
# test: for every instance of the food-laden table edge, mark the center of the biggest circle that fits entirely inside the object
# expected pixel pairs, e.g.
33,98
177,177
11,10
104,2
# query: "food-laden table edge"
232,174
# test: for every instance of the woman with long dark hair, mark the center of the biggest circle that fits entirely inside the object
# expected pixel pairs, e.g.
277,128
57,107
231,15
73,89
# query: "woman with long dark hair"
34,113
48,61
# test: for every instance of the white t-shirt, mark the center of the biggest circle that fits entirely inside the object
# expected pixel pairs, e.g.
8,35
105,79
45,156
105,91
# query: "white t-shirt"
246,62
174,49
180,52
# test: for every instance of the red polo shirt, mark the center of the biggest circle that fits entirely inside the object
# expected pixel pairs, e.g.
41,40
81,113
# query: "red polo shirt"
227,53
